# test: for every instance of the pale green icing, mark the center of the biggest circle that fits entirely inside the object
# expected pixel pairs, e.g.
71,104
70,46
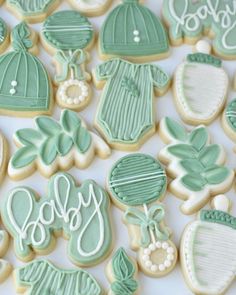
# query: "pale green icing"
3,31
125,113
80,212
196,156
137,179
190,18
51,140
230,114
131,29
87,6
31,7
42,277
24,83
123,272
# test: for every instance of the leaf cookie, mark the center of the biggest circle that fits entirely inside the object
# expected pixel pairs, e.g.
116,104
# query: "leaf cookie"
91,7
208,255
55,146
133,31
122,272
42,277
136,183
80,213
196,165
200,86
68,34
125,115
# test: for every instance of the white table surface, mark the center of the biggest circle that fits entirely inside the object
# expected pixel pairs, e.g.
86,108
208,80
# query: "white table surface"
173,283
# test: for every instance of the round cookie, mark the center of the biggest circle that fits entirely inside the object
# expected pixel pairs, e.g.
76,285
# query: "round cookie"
67,35
4,36
91,7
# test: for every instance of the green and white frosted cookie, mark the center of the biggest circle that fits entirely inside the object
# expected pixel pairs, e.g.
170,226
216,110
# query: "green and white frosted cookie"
229,120
4,36
5,267
91,7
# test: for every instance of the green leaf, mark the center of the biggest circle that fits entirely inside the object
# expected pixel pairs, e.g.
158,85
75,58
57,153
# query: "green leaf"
24,156
176,130
183,151
48,151
192,166
209,155
122,266
29,136
70,121
198,138
64,144
194,182
124,287
48,126
82,139
216,174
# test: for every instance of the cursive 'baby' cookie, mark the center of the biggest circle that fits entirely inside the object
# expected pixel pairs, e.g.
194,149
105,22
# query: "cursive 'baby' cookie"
42,277
55,146
81,214
91,7
196,165
136,183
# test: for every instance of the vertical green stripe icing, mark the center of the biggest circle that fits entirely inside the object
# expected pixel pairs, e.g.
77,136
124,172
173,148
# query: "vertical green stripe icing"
29,7
42,277
230,114
123,272
68,30
137,179
3,31
24,85
143,31
80,212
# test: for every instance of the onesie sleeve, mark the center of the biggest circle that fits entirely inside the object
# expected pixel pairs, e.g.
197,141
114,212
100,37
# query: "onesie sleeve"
106,69
159,77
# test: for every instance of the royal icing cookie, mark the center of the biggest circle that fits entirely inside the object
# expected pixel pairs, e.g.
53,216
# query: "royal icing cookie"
200,86
5,267
68,34
136,182
189,20
42,277
208,255
25,88
125,114
122,272
229,120
133,31
91,7
196,166
32,11
55,146
80,213
4,36
3,156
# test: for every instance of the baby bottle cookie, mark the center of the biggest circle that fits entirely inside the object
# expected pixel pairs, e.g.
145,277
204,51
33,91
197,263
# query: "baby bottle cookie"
200,86
4,36
5,267
91,7
68,34
208,255
196,166
136,183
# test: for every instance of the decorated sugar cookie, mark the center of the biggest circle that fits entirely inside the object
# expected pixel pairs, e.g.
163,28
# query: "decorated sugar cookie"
80,213
122,272
189,20
42,277
196,166
229,120
200,86
91,7
5,267
208,255
68,34
125,114
4,35
55,146
3,156
133,31
136,182
25,88
32,11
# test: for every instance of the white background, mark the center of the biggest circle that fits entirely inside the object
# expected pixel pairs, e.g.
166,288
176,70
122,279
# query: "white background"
172,283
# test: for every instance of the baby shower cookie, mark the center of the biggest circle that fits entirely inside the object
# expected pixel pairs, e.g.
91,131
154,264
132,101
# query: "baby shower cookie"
42,277
25,87
196,166
32,11
122,273
68,35
188,21
4,154
133,31
91,7
4,36
208,255
200,86
79,213
5,267
55,146
136,183
126,115
229,120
